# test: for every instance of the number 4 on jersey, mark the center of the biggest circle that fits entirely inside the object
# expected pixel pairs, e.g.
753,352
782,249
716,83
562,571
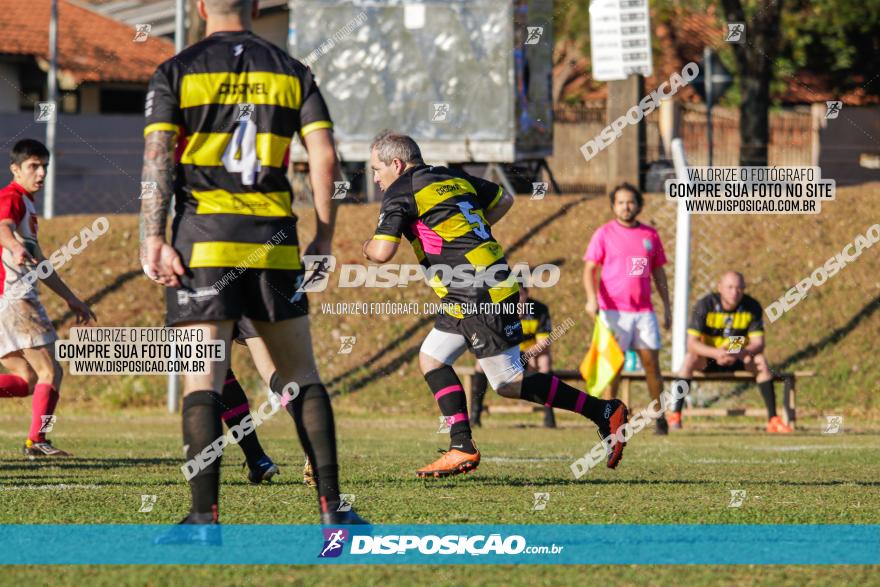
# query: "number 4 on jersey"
241,152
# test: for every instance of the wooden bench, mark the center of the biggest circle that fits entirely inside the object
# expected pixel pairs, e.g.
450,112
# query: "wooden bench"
789,398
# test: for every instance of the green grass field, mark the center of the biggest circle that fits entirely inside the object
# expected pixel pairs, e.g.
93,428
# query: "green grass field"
126,446
808,477
832,330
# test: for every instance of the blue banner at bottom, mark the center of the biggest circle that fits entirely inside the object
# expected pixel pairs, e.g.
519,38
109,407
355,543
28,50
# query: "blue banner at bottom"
812,544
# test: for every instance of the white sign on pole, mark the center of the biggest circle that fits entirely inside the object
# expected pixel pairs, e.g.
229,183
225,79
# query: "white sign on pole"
620,39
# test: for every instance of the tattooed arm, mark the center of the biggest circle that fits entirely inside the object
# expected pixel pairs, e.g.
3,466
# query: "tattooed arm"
161,262
323,169
158,169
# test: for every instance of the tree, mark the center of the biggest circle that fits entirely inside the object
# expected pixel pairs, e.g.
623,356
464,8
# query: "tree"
837,39
571,26
755,60
834,42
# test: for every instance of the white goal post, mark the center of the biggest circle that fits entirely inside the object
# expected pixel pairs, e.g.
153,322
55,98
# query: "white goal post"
682,264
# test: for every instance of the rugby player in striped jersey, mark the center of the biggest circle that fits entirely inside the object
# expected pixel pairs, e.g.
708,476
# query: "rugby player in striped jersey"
448,216
220,117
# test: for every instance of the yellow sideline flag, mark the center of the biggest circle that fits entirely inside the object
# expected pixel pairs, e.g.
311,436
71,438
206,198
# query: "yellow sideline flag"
603,360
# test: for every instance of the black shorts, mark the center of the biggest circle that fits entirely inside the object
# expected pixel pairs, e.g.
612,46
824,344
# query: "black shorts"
487,335
713,367
243,330
260,294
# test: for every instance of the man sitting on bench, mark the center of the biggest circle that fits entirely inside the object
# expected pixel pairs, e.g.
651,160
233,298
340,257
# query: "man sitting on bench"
726,333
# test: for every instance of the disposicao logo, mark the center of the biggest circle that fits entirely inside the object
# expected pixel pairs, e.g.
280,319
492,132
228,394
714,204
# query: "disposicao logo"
334,540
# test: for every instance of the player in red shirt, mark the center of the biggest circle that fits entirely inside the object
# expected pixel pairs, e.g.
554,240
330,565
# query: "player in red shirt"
26,334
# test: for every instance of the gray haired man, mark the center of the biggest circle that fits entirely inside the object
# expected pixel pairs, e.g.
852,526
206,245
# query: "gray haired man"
448,216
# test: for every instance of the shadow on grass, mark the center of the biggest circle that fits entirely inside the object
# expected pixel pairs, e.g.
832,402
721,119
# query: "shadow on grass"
80,463
101,294
491,481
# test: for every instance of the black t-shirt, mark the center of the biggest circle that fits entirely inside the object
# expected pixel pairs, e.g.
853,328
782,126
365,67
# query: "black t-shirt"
235,101
715,326
536,325
442,213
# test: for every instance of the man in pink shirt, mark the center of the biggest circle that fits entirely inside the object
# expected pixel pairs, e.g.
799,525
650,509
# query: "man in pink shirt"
629,254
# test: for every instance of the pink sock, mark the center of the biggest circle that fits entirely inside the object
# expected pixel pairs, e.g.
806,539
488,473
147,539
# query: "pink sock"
44,402
13,386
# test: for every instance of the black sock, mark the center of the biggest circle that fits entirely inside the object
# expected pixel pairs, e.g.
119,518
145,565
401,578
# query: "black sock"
479,383
678,405
201,427
275,383
235,408
769,396
449,393
313,416
549,390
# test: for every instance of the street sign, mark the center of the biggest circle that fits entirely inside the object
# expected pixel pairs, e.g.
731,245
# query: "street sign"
620,39
711,83
719,78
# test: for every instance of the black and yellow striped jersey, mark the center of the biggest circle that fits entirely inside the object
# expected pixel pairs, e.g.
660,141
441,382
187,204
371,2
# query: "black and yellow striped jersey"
442,213
536,324
235,101
715,326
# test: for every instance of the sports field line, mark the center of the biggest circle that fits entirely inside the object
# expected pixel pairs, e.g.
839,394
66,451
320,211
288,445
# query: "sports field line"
526,459
52,487
807,447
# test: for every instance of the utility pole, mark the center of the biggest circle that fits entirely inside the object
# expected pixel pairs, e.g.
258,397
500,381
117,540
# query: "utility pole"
49,199
179,44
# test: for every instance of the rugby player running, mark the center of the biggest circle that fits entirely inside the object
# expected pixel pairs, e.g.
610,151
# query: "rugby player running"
230,105
447,217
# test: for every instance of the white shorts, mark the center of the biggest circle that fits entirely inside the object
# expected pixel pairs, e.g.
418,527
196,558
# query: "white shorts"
24,324
446,347
634,330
